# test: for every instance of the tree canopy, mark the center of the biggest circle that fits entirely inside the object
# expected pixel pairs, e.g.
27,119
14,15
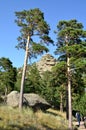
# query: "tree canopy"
32,23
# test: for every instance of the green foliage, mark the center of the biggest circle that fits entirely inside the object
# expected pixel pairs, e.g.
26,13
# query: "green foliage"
48,88
80,104
18,80
76,46
32,24
59,72
60,81
7,75
33,80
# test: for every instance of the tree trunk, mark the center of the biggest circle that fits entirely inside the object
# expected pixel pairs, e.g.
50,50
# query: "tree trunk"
69,86
61,103
67,109
6,92
69,94
24,73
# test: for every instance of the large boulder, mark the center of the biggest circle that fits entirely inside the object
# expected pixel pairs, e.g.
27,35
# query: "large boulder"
36,102
30,100
13,99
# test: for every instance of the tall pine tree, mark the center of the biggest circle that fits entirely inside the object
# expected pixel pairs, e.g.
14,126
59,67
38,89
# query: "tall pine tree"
71,46
34,35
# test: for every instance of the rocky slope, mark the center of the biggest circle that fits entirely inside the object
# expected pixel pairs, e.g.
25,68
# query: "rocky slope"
46,63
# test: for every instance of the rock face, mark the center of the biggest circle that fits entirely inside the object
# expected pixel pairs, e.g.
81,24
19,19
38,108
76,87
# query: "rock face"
31,100
46,63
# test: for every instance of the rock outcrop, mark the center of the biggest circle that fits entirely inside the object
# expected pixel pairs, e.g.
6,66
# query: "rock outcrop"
30,100
46,63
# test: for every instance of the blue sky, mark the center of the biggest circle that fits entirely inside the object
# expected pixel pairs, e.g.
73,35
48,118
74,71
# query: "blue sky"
54,11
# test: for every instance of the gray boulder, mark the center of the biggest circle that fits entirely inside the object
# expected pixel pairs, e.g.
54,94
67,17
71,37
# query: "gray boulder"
36,102
29,100
13,99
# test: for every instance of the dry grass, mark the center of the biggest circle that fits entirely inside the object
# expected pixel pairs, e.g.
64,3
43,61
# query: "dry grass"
13,119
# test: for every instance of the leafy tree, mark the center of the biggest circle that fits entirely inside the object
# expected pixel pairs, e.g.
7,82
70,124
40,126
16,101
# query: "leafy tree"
32,25
71,47
7,75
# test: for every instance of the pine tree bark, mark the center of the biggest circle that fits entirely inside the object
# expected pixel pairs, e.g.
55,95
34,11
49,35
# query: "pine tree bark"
24,73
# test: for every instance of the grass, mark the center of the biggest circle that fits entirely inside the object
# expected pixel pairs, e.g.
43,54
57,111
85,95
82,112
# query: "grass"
13,119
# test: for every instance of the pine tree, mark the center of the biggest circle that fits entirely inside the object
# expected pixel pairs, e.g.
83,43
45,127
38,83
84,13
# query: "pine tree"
71,47
33,26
